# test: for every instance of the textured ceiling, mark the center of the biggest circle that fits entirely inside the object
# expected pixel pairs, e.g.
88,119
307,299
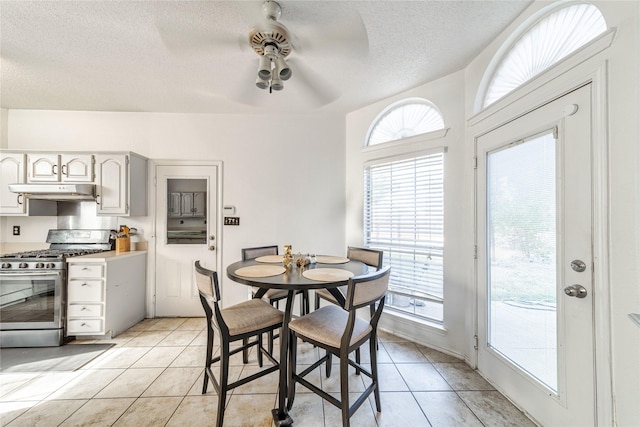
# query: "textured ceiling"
193,57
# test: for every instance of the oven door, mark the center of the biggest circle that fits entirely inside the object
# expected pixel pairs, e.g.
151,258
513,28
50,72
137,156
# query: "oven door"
31,301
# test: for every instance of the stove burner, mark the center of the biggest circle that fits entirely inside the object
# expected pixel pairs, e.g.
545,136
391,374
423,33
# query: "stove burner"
51,253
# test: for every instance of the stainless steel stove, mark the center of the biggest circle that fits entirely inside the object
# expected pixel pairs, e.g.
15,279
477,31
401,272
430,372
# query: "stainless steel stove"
33,287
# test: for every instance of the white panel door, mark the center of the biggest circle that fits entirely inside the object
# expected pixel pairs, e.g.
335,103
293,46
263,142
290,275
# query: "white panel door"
181,241
535,277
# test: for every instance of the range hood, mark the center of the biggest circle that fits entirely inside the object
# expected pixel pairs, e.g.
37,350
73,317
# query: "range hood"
55,191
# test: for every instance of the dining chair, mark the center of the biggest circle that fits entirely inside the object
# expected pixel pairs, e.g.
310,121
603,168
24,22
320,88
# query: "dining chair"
372,258
273,295
240,322
340,331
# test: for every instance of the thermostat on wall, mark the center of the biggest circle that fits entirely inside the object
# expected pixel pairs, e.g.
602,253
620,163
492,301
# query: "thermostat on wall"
229,210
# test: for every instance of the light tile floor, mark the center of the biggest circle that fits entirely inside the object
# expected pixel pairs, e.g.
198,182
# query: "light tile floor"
153,377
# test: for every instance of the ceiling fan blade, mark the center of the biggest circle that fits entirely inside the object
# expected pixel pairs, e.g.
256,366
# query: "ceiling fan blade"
203,28
334,29
317,88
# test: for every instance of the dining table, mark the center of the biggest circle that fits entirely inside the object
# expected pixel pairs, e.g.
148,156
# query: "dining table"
268,272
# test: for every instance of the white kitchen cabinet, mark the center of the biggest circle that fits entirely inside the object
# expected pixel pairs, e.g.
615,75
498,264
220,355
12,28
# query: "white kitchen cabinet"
121,184
187,204
54,167
13,172
106,293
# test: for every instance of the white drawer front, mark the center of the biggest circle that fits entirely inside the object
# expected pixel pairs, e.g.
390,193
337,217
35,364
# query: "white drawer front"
85,310
85,326
85,290
86,270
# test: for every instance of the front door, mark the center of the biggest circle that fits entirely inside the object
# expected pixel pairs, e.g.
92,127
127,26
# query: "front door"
186,212
535,268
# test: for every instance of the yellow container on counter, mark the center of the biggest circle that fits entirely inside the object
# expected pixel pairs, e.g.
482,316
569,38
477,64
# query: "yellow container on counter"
123,244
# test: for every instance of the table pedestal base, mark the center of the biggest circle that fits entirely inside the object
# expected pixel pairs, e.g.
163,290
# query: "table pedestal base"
281,419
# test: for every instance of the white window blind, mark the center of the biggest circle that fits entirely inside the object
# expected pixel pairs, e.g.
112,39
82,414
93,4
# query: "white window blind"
404,216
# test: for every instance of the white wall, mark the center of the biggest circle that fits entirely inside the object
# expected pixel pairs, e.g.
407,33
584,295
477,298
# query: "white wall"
284,174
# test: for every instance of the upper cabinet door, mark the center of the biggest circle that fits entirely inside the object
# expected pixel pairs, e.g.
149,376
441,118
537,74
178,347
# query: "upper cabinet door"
12,172
76,167
112,176
44,167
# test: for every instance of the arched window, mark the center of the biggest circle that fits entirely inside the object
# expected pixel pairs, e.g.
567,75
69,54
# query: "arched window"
540,45
409,117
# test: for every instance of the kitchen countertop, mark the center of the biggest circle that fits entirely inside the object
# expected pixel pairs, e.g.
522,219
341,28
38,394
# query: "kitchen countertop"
104,256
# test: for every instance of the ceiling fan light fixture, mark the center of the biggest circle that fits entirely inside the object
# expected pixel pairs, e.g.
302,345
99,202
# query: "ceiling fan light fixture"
264,68
262,84
276,83
282,68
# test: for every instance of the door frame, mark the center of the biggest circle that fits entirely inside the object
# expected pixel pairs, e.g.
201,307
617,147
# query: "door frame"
151,290
515,105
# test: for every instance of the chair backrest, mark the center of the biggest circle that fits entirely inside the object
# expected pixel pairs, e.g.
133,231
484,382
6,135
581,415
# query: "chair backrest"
209,289
252,253
370,257
367,289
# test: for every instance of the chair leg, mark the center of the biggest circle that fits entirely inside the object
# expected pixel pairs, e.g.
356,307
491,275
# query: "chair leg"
207,362
357,360
317,303
259,349
328,366
293,344
245,351
344,387
224,380
305,302
373,342
270,343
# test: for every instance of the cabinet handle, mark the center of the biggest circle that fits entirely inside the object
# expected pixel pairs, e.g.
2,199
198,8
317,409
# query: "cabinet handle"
97,199
53,170
64,169
83,324
85,268
83,309
19,198
84,284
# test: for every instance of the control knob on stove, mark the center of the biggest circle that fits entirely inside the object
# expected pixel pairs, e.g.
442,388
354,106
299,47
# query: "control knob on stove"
50,265
40,265
23,265
6,265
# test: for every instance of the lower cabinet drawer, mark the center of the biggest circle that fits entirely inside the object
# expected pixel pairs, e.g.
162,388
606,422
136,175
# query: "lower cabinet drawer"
84,326
85,270
85,290
85,310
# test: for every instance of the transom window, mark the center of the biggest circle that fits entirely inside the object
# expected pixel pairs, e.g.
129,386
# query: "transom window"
409,117
542,45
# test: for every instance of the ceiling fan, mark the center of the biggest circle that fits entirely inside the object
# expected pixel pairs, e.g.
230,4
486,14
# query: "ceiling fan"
326,38
272,42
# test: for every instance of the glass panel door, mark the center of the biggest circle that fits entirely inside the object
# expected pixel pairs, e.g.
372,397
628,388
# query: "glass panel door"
521,244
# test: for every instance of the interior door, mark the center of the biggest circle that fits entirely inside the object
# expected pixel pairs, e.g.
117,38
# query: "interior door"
535,293
182,240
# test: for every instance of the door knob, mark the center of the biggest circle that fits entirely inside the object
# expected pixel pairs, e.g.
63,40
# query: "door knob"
212,248
577,291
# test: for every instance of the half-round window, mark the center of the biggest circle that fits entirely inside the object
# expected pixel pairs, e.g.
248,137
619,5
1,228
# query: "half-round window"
409,117
542,44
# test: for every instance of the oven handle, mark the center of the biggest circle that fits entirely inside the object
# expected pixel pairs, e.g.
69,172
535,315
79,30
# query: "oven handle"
22,274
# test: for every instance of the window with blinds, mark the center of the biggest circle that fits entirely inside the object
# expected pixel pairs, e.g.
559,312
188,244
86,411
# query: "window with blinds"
404,217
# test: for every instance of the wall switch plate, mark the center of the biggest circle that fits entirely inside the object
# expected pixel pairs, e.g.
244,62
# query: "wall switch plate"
16,230
231,220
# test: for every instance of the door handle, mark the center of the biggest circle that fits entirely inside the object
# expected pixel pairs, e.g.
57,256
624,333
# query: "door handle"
212,248
577,291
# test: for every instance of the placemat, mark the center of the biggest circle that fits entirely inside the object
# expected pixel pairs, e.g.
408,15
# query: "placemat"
324,259
274,259
327,274
260,270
